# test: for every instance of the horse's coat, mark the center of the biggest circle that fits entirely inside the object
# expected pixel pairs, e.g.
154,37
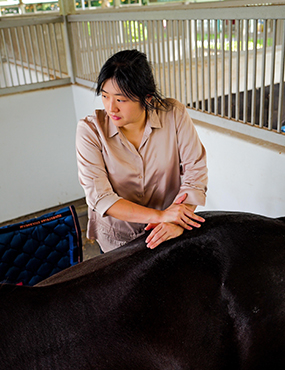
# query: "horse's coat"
212,299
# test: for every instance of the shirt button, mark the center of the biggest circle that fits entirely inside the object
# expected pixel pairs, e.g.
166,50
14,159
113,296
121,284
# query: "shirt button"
140,177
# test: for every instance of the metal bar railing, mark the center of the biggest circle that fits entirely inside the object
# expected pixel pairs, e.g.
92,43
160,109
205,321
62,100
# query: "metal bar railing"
281,78
32,52
224,66
219,65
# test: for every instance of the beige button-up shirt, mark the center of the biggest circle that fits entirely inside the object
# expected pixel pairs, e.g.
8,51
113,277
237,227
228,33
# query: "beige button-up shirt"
170,161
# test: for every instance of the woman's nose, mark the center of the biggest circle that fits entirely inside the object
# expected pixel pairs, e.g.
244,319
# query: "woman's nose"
113,107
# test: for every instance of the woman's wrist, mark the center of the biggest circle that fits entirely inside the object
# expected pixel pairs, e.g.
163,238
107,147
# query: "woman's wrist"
158,216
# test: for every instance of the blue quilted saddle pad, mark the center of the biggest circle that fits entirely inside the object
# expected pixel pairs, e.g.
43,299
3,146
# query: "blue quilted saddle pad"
33,250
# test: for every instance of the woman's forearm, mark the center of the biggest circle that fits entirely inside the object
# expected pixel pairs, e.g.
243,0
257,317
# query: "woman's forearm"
131,212
180,214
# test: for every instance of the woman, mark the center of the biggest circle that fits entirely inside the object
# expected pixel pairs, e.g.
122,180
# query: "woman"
131,157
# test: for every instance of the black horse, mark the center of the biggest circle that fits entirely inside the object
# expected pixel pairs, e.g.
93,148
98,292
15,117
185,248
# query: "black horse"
212,299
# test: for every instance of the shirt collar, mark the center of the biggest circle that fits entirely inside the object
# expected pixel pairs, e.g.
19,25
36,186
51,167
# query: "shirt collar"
152,121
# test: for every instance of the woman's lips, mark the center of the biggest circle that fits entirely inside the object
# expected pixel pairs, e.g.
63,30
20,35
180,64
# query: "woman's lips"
115,118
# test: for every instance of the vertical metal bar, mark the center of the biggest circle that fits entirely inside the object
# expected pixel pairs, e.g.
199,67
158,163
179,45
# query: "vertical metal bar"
98,42
148,38
14,56
184,77
136,33
263,71
223,70
78,57
190,63
92,48
88,50
245,88
196,65
119,33
144,28
20,55
100,25
156,52
39,51
115,37
93,51
230,22
110,38
106,41
237,69
202,66
71,32
98,49
153,48
122,33
209,65
139,35
130,34
57,51
168,58
281,81
45,51
173,59
26,54
178,61
7,58
272,75
51,51
216,67
2,65
163,56
65,36
253,97
158,42
126,37
82,50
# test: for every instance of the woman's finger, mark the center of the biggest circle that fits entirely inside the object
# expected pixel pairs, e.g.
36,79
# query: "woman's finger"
157,239
163,232
150,226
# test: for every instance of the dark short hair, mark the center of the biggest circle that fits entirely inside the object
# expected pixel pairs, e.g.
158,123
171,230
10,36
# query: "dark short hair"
133,74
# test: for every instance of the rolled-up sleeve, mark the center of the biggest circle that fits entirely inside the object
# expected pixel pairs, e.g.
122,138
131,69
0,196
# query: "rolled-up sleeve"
92,172
193,160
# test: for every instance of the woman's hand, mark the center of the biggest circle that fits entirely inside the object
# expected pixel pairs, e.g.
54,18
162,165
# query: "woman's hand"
162,232
182,214
168,230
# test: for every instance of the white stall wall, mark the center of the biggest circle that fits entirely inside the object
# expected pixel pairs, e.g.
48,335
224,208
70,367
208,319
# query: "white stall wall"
244,174
38,164
85,101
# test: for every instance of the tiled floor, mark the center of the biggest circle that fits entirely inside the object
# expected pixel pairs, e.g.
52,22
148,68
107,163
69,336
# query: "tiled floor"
90,248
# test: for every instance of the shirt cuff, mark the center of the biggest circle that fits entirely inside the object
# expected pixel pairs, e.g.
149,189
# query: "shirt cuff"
197,197
105,203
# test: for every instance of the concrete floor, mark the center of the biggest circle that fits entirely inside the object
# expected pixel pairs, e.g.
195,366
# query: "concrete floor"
90,247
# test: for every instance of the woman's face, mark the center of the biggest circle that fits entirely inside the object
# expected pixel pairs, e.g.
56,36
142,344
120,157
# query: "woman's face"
121,110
